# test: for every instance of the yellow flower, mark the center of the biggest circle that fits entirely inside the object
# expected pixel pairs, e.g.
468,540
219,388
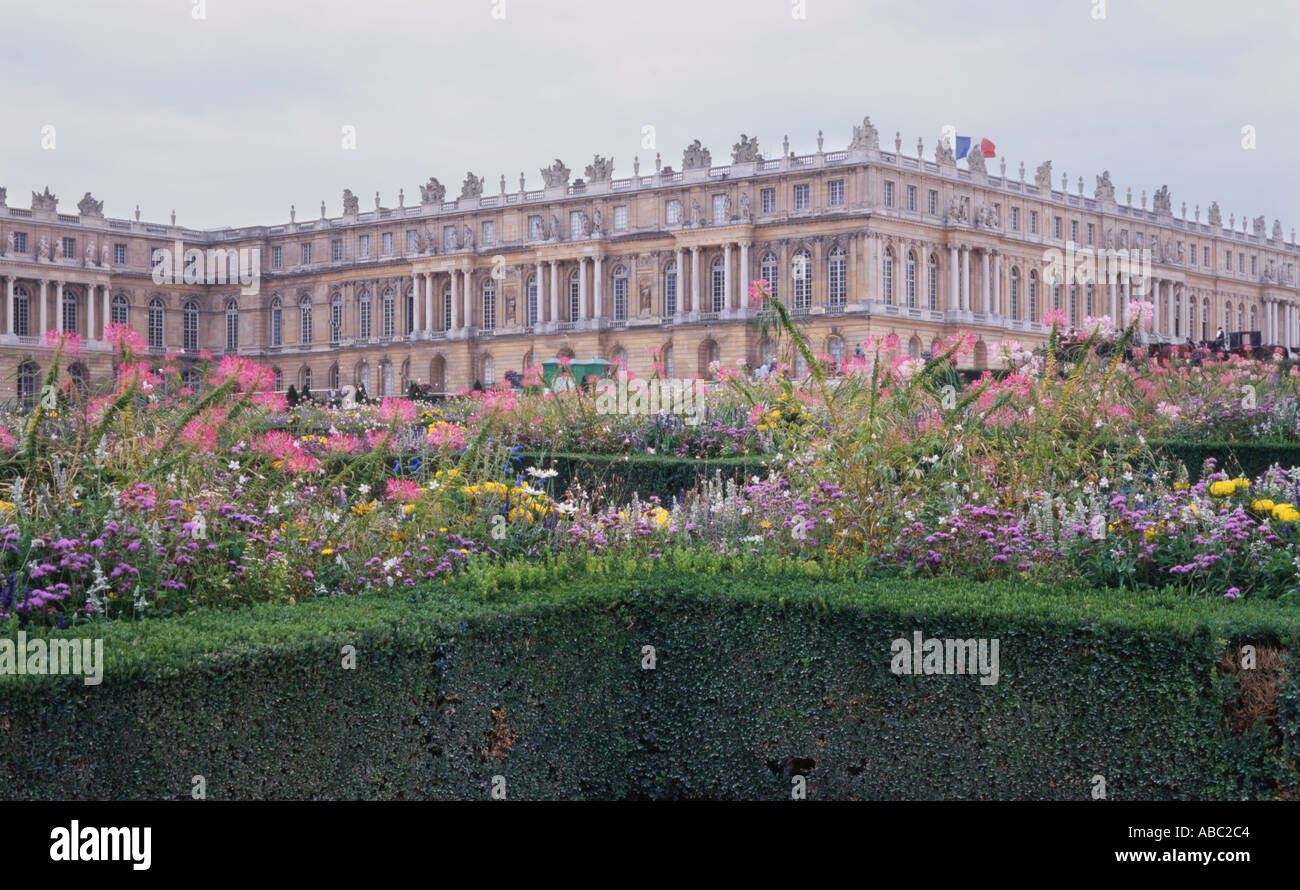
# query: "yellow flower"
7,508
1222,488
1263,505
363,509
1181,486
1286,513
1241,483
327,551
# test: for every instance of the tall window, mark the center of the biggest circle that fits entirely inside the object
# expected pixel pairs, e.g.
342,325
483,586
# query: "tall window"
910,279
232,326
410,310
532,300
1074,304
27,383
932,283
1033,295
1227,318
1015,292
305,376
575,296
119,310
155,323
1088,302
277,322
887,276
489,377
768,270
802,269
22,312
718,289
836,277
489,304
363,326
1205,318
334,376
388,319
304,313
191,326
446,308
620,293
69,312
336,319
670,288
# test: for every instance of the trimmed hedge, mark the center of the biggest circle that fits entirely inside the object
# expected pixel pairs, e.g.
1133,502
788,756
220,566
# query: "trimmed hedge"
763,672
619,476
1252,458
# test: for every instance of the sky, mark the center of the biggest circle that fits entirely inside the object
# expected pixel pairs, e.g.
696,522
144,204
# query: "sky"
230,111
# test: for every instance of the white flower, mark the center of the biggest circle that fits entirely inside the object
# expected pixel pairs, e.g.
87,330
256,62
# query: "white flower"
234,465
364,489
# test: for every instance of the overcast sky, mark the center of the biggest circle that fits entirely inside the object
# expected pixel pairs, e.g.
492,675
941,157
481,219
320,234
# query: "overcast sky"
232,118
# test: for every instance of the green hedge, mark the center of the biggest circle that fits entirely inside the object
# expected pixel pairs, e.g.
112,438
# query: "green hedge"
763,672
621,475
1251,458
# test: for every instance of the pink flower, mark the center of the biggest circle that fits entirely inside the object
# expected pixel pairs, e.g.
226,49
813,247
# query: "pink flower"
249,376
391,410
124,338
446,435
402,490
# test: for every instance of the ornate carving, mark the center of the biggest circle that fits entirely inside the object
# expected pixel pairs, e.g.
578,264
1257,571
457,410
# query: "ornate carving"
88,206
746,150
645,299
472,187
4,195
865,136
746,212
103,256
433,192
1258,226
351,203
555,175
1215,217
90,254
697,212
600,169
43,249
986,217
1105,190
467,239
943,155
975,160
45,200
1160,201
695,157
1043,176
1277,230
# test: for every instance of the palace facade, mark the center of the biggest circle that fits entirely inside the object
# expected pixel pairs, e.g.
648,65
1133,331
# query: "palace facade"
859,243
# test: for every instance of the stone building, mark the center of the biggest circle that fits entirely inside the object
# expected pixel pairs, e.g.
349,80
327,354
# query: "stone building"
859,242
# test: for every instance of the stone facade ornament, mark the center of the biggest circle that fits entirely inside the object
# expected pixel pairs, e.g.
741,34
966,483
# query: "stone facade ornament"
472,187
43,249
600,169
45,201
88,206
555,175
1160,203
975,160
467,239
432,192
1215,218
1258,226
865,136
1277,230
1105,190
696,157
746,212
746,150
351,203
697,212
1043,176
103,256
4,195
943,155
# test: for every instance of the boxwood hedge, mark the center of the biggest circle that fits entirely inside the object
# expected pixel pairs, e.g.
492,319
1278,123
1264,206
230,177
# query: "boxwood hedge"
761,672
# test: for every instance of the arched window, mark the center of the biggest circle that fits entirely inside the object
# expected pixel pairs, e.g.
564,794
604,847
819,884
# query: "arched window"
618,358
232,326
27,383
278,377
1015,293
1033,295
336,319
887,277
277,323
192,379
718,288
532,300
620,293
1241,316
769,271
69,318
304,313
304,377
667,358
910,279
334,377
446,308
363,317
22,312
1252,319
837,277
363,378
190,318
575,295
386,375
801,270
914,348
932,283
120,310
155,323
77,374
835,346
708,355
438,373
670,288
489,304
388,320
488,377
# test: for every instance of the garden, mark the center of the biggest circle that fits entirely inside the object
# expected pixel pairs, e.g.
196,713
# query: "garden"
541,584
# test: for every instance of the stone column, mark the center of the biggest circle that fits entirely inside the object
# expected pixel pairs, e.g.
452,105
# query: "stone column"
1111,275
965,279
695,279
679,259
984,285
541,297
997,282
90,310
954,283
582,289
44,308
417,299
455,303
555,292
745,275
429,287
107,307
468,297
727,301
9,305
598,289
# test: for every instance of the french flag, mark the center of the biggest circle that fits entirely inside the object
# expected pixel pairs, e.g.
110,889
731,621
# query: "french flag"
964,144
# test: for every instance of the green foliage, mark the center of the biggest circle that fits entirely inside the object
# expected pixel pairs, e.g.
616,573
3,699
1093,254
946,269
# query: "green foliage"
764,669
619,476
